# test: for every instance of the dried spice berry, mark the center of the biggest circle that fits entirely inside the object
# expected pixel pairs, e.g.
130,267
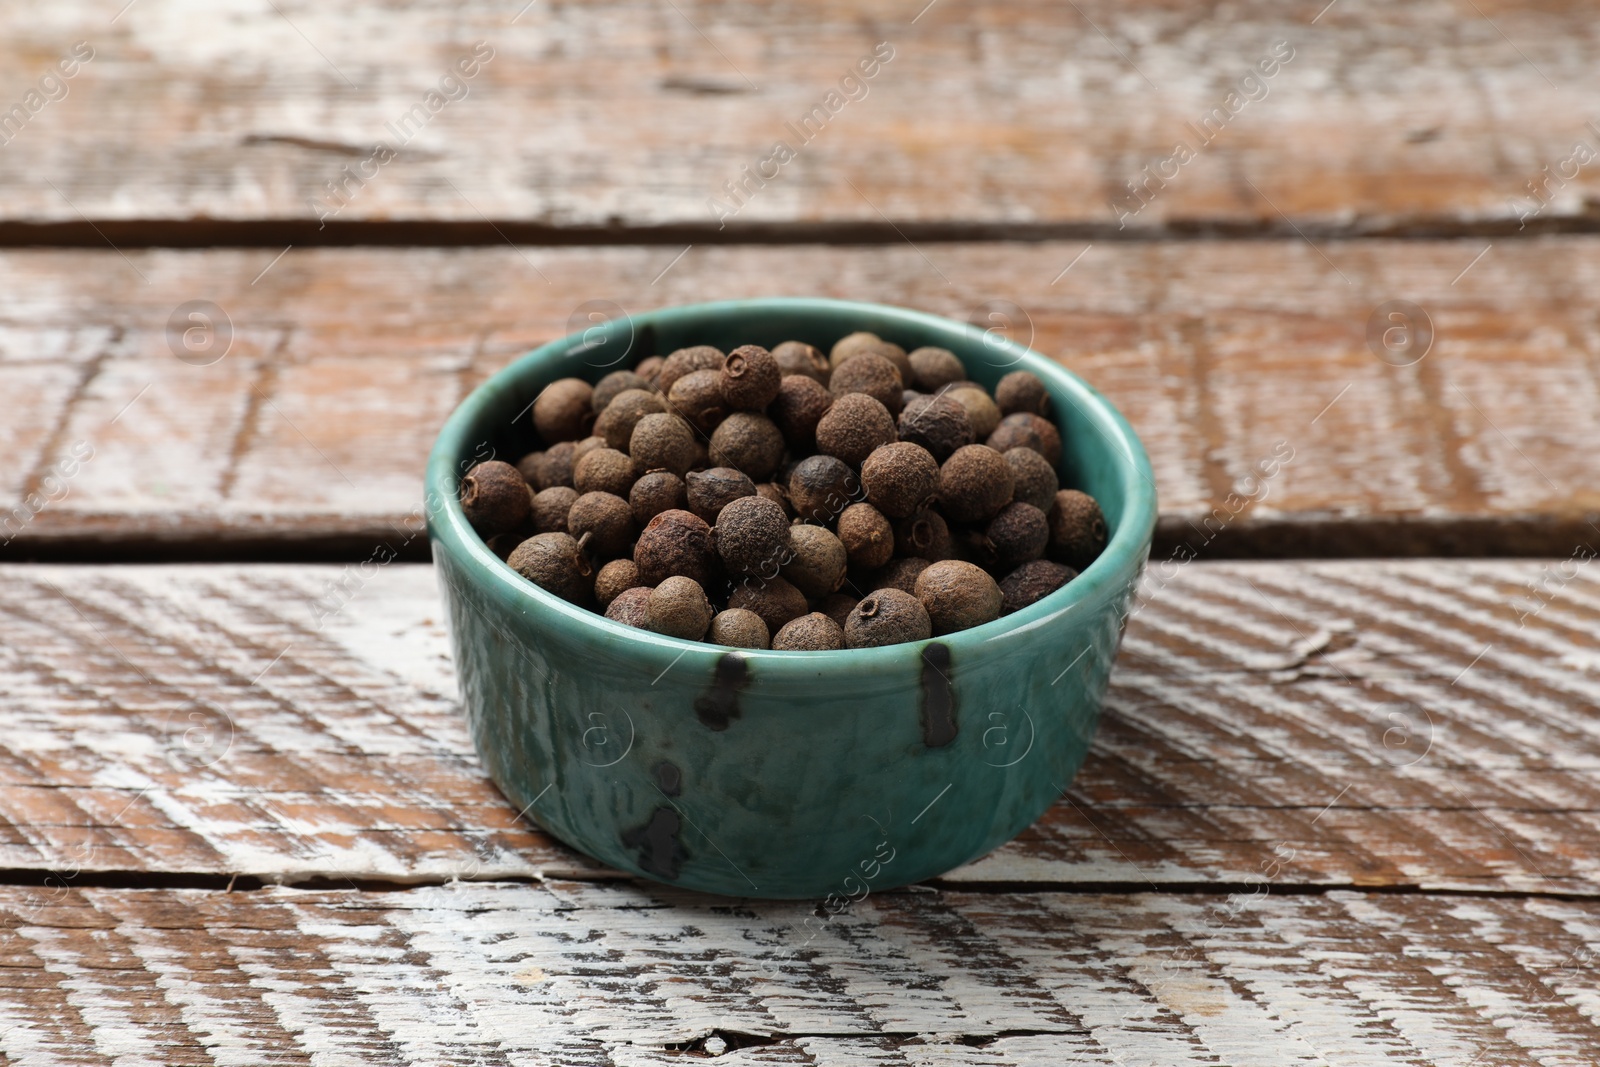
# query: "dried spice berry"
852,344
712,490
816,561
697,396
752,536
958,595
649,369
1022,390
605,470
749,442
738,628
901,574
775,600
1032,582
531,466
686,361
870,344
867,536
887,617
664,442
615,578
549,468
631,607
614,385
982,413
656,491
934,368
1026,430
799,406
872,374
554,563
774,492
550,507
617,421
1035,480
853,427
925,534
899,478
938,424
797,357
1018,534
495,497
675,542
974,484
809,633
602,523
750,377
678,608
1077,529
820,487
562,411
837,606
585,446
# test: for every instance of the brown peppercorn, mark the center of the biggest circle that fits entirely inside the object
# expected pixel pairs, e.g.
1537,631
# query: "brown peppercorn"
605,470
887,617
934,368
859,344
1077,529
974,484
678,608
685,361
925,534
958,595
562,412
899,478
631,607
649,369
853,427
550,507
531,466
797,357
614,578
554,563
614,385
656,491
1035,480
664,442
585,446
902,574
602,523
867,537
617,421
750,376
872,374
852,344
1018,534
710,491
749,442
1026,430
495,497
816,561
982,413
549,468
752,536
697,396
675,542
1032,582
938,424
809,633
774,492
837,606
800,404
775,600
820,487
738,628
1022,390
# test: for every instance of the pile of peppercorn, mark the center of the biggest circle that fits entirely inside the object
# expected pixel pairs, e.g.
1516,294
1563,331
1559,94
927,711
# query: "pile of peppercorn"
791,500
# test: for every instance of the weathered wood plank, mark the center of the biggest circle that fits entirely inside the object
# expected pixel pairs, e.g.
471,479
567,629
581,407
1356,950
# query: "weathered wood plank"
314,426
635,115
1268,724
587,974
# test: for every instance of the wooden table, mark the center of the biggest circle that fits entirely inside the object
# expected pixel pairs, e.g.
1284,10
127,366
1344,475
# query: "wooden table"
1343,805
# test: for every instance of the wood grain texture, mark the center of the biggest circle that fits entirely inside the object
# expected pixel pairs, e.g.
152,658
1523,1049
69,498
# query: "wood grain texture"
628,114
343,363
578,973
1269,725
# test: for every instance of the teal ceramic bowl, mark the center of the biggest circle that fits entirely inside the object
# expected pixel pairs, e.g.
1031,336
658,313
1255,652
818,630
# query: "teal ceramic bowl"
782,774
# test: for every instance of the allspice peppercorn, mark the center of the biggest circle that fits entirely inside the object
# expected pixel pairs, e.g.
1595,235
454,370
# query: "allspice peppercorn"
852,343
899,478
837,606
797,357
799,406
675,542
585,446
752,536
1032,582
958,595
749,378
617,421
664,442
631,607
697,397
606,519
1035,479
649,369
809,633
738,628
867,537
902,574
549,468
820,487
686,361
562,411
1077,529
710,491
974,484
656,491
605,470
1026,430
872,374
775,600
1018,534
934,368
615,578
1024,391
925,534
495,497
982,413
678,608
887,617
614,385
816,562
749,442
774,492
937,423
854,426
554,563
550,507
